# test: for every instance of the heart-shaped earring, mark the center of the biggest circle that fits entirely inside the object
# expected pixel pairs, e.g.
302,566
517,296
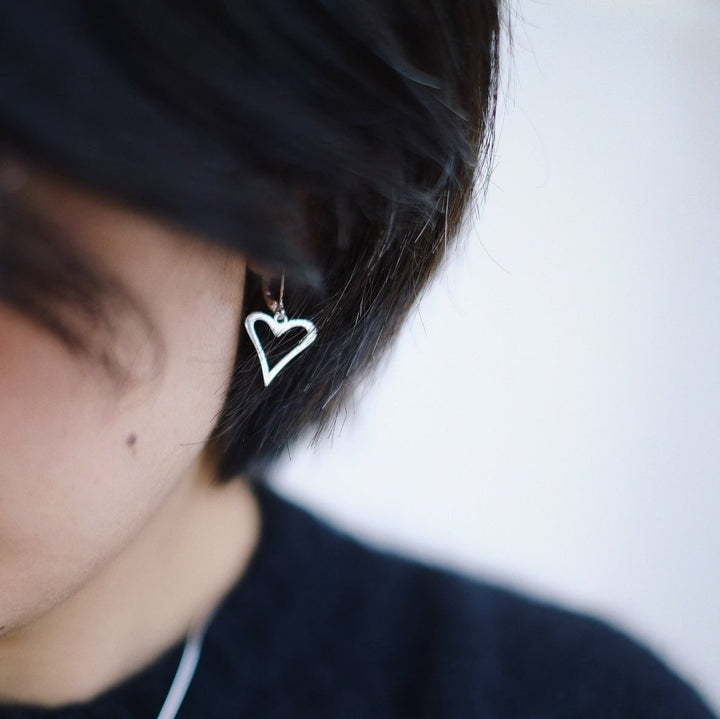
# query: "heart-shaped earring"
279,324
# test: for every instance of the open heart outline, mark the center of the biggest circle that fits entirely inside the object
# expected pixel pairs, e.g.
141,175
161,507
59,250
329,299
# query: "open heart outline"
278,328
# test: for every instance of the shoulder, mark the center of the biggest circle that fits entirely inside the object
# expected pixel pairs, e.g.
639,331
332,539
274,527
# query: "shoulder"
521,657
391,632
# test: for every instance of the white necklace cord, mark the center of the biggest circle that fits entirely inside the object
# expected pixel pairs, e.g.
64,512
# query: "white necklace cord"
185,672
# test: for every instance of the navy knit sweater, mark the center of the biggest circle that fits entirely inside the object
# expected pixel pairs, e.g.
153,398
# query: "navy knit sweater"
321,627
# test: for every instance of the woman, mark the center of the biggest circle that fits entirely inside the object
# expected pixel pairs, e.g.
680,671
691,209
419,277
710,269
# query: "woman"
214,218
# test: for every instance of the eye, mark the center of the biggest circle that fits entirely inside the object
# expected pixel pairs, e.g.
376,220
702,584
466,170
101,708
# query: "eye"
46,277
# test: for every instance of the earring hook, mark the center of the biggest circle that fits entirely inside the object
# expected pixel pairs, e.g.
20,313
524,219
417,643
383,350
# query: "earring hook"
275,306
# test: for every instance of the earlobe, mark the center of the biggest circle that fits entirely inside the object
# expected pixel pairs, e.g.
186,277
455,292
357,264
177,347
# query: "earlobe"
13,175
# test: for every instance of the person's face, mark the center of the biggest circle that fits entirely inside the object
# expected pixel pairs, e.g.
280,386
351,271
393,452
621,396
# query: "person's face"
84,467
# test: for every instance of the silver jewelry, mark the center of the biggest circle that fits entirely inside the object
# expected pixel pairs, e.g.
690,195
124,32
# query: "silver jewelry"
185,672
279,324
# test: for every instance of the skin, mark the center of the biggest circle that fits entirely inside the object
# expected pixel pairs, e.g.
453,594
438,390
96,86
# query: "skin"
114,539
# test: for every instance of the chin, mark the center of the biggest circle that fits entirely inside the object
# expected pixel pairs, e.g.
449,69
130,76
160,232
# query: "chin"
26,602
14,617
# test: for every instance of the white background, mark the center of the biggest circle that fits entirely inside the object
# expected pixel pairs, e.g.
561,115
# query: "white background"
551,417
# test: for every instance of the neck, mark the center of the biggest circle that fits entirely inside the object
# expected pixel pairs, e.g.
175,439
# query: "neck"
166,582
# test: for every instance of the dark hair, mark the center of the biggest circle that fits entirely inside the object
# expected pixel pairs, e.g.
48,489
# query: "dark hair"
337,140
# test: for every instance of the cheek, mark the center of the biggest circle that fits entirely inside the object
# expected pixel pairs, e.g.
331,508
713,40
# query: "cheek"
82,472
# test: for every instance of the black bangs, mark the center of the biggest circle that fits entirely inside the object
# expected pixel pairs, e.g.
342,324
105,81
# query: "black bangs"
71,101
211,113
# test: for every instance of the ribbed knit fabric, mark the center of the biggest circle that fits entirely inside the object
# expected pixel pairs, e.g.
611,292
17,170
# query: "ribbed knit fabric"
322,627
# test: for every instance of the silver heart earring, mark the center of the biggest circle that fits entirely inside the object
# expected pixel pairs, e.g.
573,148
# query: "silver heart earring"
279,324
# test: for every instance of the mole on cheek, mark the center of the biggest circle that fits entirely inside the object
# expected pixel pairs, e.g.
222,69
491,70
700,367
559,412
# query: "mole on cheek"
131,439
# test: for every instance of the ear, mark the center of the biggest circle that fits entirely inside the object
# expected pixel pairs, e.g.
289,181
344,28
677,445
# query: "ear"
266,271
271,283
13,174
